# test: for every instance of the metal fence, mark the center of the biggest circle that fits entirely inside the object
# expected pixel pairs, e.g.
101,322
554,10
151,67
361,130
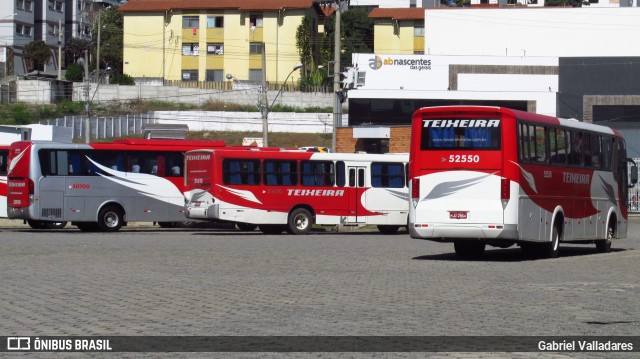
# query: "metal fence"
104,127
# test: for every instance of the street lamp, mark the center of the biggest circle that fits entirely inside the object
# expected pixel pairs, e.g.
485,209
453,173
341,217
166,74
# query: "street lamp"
266,109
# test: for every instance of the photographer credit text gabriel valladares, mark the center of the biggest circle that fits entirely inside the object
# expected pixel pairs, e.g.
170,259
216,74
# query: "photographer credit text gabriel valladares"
584,345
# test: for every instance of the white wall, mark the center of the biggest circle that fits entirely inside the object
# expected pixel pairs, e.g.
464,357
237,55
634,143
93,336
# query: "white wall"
518,32
384,3
398,81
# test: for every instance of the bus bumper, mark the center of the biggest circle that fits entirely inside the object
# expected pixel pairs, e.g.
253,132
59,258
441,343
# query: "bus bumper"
209,212
17,213
445,231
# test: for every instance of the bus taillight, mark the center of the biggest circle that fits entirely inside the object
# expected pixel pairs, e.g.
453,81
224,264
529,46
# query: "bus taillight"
415,188
505,189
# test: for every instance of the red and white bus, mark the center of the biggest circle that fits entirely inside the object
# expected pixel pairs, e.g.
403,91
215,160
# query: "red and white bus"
292,190
495,176
99,186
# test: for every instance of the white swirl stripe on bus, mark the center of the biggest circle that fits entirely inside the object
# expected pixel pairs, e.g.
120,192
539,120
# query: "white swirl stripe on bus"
448,188
528,177
247,195
169,193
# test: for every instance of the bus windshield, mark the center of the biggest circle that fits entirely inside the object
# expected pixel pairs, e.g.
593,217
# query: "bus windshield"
460,133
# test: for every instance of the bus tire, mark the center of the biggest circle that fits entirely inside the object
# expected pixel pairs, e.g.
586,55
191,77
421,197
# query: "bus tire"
271,228
387,229
37,224
551,249
248,227
168,224
604,245
110,219
469,249
300,221
56,225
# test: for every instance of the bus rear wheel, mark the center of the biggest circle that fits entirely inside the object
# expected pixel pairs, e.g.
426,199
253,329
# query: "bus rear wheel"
300,221
110,219
604,245
168,224
469,249
386,229
551,249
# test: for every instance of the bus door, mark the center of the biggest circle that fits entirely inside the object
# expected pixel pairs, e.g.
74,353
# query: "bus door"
356,181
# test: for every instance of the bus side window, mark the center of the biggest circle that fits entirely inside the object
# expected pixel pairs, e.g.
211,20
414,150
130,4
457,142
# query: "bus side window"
340,174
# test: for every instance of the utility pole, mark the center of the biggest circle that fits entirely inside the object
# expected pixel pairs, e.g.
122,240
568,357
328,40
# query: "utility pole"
60,49
87,91
337,104
98,50
264,106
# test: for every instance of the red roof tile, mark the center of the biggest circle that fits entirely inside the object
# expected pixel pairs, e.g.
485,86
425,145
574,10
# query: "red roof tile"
416,13
242,5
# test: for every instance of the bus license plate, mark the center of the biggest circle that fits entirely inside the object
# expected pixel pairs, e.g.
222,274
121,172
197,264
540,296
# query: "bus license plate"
457,215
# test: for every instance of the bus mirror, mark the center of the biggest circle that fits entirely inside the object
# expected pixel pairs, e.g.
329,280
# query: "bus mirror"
634,173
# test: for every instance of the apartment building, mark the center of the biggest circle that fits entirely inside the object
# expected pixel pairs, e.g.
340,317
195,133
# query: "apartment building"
398,31
191,40
52,21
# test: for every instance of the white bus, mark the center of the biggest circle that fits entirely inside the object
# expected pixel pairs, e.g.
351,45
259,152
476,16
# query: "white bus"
495,176
99,186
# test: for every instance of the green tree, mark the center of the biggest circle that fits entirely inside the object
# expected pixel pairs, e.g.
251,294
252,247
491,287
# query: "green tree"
74,48
357,34
37,54
74,73
110,26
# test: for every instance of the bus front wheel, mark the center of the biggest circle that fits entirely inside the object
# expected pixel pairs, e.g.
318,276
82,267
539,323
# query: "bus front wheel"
110,219
37,224
300,221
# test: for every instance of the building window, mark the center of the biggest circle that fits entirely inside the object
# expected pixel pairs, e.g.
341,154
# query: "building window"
214,22
20,4
190,49
376,145
55,5
28,5
53,29
23,30
189,75
255,48
255,20
215,75
418,29
215,49
255,75
190,22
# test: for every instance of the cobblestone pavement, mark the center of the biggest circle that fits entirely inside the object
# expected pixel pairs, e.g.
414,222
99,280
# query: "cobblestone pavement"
150,281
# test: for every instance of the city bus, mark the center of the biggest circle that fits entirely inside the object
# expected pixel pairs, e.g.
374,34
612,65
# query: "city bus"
99,186
292,190
496,176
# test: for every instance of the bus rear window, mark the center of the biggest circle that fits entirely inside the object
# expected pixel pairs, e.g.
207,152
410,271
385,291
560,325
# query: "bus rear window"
460,134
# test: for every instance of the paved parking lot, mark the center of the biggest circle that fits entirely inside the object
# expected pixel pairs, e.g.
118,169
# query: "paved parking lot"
150,281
